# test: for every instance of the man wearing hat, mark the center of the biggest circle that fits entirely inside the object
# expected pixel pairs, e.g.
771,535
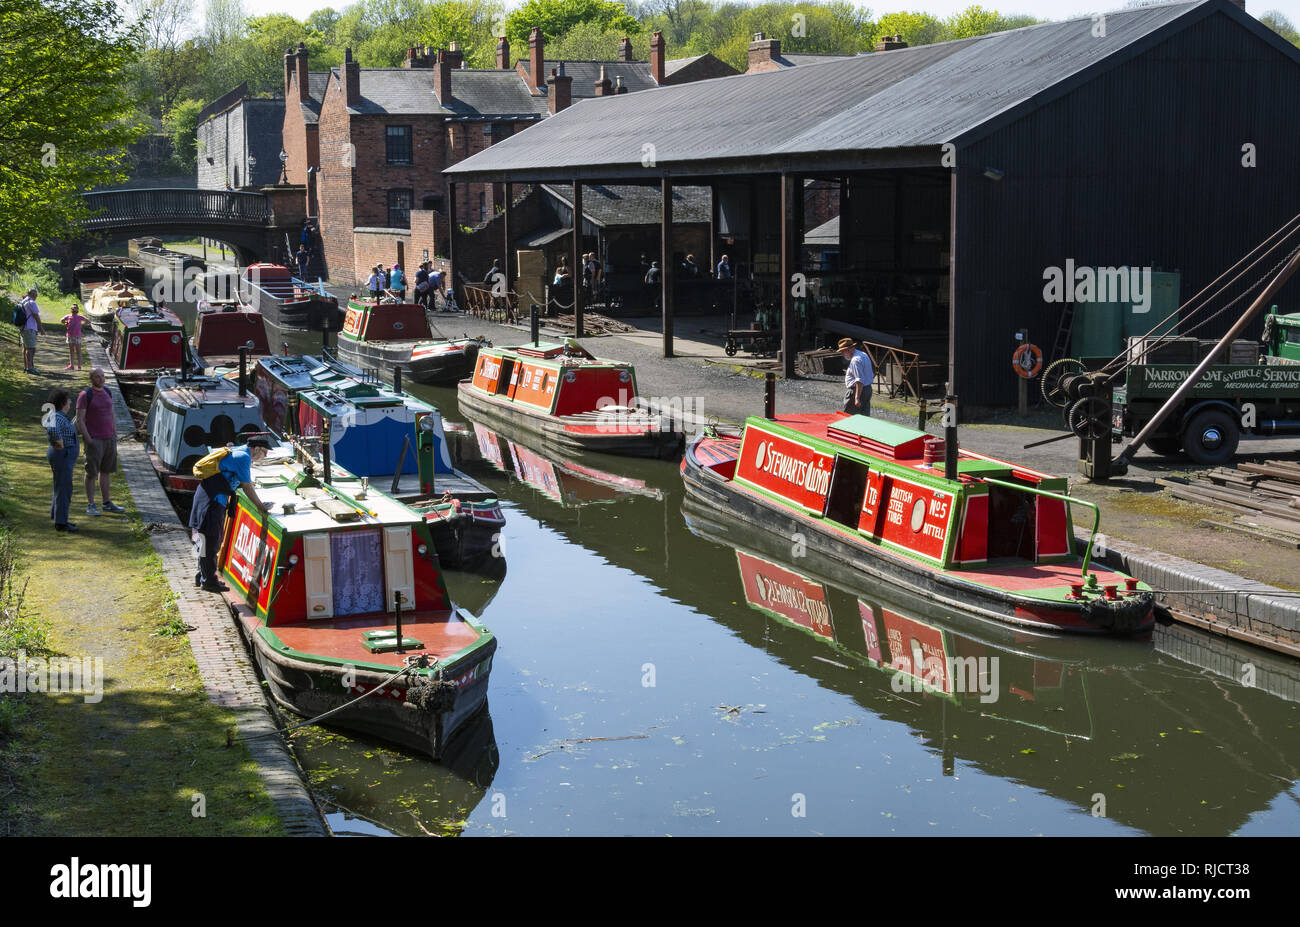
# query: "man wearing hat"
858,377
215,497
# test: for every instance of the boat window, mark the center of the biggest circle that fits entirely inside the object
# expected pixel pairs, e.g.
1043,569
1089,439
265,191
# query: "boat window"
357,559
507,369
848,486
1011,523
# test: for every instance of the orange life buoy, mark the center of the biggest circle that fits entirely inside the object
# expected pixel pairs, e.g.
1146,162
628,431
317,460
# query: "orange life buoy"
1027,361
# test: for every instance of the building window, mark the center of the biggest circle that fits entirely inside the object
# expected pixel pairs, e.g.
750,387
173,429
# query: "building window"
399,208
399,144
502,130
482,207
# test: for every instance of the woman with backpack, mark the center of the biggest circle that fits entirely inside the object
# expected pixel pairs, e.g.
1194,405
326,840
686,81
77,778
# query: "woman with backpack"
62,455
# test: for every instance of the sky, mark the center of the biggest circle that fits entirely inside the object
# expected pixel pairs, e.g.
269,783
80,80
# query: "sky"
1043,9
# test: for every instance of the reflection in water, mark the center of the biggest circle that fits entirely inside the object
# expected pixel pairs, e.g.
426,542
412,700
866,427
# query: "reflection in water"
773,678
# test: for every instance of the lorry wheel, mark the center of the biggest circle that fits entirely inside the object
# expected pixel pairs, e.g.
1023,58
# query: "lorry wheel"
1167,446
1211,437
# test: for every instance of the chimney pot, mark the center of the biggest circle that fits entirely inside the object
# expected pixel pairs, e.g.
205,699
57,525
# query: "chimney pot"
603,87
625,49
304,88
351,79
890,42
560,89
503,53
763,51
442,76
536,60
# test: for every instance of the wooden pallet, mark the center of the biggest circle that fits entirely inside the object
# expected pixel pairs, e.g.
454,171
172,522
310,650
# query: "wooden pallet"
1265,498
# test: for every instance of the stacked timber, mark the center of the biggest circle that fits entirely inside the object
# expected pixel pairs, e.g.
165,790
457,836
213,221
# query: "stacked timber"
1264,499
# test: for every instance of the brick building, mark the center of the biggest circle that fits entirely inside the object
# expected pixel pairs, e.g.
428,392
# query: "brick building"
238,141
383,136
765,55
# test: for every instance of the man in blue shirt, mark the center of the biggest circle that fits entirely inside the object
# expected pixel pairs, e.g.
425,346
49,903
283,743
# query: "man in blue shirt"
858,378
214,497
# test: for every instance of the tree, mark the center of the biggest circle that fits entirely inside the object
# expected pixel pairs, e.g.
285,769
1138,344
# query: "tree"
915,28
592,42
261,52
66,115
972,21
169,58
556,17
182,123
1281,25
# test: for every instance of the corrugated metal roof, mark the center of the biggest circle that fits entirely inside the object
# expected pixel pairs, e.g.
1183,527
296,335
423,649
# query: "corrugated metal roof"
905,98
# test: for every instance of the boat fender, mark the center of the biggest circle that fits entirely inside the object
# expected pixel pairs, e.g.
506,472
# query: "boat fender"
1122,616
432,695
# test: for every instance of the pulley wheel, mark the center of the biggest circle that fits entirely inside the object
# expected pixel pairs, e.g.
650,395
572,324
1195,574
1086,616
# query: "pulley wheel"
1051,382
1088,418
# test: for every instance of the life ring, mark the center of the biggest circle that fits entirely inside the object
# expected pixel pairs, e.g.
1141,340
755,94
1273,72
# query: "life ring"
1027,361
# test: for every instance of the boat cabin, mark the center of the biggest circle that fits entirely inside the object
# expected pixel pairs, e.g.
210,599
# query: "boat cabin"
554,379
221,332
886,482
276,380
370,320
320,554
188,417
147,338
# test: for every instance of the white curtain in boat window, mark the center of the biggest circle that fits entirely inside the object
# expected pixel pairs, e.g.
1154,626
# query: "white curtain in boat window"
358,558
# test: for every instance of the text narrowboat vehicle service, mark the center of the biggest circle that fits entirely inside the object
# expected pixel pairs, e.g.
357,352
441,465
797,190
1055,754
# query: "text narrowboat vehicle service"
394,335
568,398
995,540
342,597
190,416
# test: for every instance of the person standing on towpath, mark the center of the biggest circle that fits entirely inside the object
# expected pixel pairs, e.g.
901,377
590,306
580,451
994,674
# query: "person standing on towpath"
62,456
99,434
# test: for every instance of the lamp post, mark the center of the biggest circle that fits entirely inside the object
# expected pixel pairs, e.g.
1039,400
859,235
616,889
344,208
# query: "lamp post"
284,167
252,163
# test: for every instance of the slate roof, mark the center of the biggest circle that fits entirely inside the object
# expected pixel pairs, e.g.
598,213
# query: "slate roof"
317,81
631,204
828,233
917,97
635,74
409,91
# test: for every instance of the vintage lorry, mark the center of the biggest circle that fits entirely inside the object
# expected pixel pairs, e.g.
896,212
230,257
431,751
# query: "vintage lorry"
1257,392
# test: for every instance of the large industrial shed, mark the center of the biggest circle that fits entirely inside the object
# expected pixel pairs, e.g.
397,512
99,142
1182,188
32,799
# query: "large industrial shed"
1162,136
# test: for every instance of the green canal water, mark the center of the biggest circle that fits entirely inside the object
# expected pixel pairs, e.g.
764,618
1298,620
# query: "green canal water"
643,686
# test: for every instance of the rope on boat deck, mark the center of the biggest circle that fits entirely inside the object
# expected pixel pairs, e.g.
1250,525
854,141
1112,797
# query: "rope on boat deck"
333,711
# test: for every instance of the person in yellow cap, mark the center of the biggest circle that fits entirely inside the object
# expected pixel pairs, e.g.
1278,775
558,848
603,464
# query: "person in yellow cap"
858,377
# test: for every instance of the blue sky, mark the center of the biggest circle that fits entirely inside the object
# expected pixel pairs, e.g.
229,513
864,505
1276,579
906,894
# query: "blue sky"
1044,9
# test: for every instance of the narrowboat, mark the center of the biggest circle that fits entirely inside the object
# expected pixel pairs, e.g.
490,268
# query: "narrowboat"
105,300
190,416
92,272
396,441
564,480
396,336
569,399
994,539
287,302
146,340
221,330
277,380
344,606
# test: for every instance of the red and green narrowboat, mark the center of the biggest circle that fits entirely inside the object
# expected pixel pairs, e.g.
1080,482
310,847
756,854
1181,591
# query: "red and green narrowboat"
392,336
340,598
569,399
996,540
146,341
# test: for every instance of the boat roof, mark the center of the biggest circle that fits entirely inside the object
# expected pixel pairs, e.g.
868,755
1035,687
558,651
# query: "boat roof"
148,315
207,391
554,351
323,508
899,444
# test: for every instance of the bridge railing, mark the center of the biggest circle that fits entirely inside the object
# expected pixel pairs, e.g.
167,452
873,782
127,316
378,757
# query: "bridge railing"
113,207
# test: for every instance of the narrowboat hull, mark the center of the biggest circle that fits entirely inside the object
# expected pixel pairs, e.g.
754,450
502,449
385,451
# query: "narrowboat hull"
465,533
146,342
636,436
419,716
441,367
847,550
189,417
285,303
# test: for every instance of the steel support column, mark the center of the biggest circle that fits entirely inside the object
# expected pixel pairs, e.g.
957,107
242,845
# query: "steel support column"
575,263
667,270
790,223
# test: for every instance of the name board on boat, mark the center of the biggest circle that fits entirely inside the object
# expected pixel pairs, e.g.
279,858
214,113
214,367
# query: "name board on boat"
242,560
907,514
789,469
353,324
487,373
774,589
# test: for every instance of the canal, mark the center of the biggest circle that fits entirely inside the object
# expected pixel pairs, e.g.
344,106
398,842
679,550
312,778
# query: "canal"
660,673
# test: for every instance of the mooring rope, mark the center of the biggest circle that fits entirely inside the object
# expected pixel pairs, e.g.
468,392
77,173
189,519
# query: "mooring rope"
332,711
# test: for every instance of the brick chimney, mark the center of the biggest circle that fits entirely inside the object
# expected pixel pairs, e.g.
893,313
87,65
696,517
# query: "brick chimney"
289,65
890,42
763,51
536,61
304,87
442,76
456,56
503,53
625,50
560,89
618,84
657,48
603,86
351,79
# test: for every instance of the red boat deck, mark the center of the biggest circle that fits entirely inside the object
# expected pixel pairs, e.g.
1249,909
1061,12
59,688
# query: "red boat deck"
440,634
